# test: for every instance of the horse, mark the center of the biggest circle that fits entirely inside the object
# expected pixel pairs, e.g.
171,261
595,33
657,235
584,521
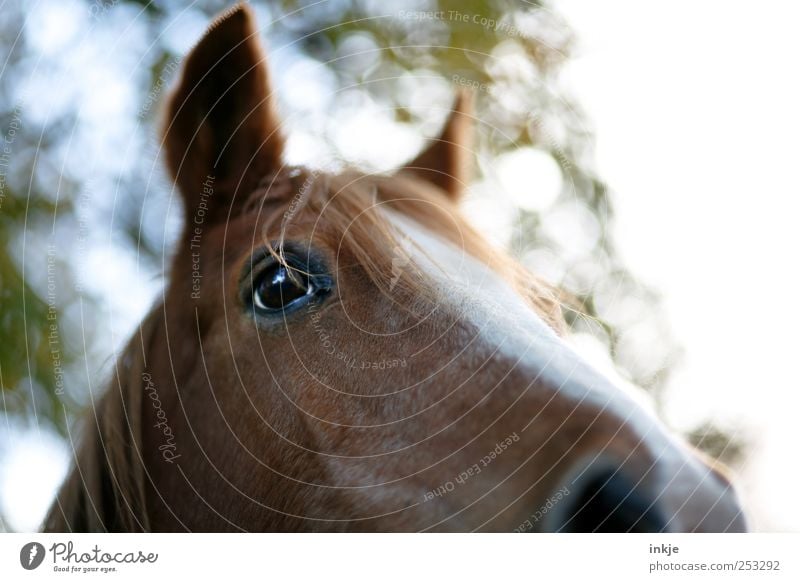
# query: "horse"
344,351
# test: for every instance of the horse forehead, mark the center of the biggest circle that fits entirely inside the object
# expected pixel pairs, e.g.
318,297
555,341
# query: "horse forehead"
508,325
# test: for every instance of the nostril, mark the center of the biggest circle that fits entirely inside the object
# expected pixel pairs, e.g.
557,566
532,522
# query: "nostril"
609,502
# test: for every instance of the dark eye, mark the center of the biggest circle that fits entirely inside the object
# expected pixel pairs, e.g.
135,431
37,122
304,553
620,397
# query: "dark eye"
275,288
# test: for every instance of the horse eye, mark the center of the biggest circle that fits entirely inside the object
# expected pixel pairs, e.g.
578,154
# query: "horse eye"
274,289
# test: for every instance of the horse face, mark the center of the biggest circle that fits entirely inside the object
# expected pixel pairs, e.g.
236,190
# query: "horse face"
345,353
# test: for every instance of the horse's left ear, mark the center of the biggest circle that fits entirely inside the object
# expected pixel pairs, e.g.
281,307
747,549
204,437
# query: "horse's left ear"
446,161
221,120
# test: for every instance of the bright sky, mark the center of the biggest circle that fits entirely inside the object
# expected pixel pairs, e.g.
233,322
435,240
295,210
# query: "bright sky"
694,106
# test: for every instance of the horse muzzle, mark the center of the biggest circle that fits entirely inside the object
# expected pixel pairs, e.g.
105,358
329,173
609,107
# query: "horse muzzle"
604,497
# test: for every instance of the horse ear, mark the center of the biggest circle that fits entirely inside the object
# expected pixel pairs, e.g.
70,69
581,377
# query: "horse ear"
221,120
445,162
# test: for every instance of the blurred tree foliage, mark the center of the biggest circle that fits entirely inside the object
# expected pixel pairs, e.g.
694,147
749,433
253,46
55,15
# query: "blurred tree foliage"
30,341
403,59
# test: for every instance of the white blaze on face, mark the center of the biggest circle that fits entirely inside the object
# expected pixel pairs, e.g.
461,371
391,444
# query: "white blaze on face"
504,321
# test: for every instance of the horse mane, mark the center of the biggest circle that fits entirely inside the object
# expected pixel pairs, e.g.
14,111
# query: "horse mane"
354,212
105,490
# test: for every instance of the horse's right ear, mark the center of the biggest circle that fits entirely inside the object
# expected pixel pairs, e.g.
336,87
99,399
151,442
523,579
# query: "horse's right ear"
445,162
221,121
